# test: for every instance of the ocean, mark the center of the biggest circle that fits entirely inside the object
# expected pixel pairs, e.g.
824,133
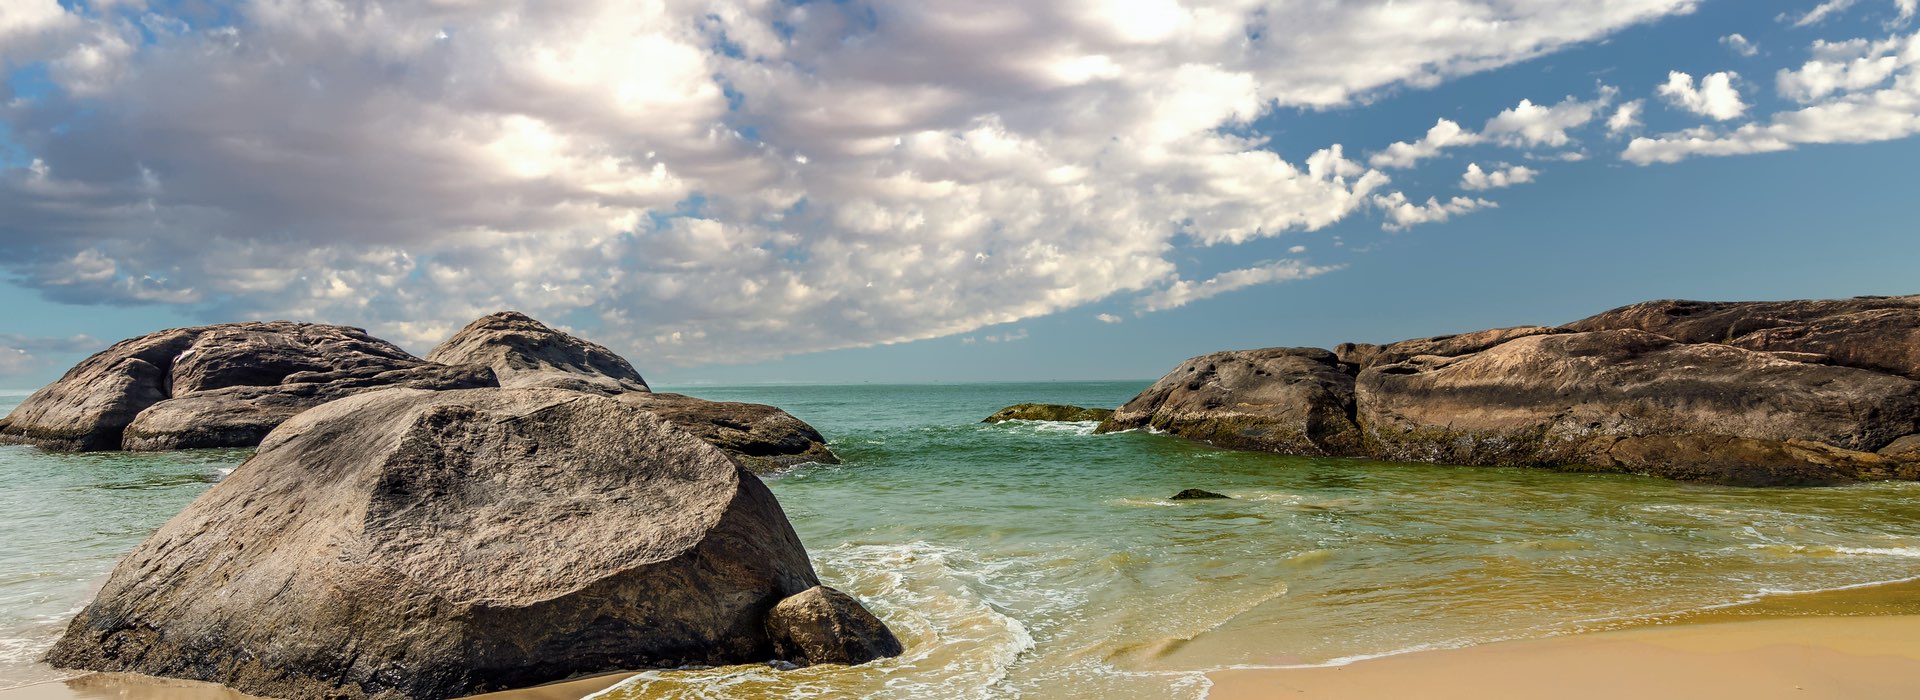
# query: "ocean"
1041,560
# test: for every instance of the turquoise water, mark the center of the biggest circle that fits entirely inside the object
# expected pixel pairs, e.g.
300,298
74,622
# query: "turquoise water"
1041,560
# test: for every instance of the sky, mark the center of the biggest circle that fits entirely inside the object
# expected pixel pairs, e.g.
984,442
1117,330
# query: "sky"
744,191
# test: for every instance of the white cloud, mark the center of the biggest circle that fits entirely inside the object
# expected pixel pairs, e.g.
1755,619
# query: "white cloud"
1853,115
1296,250
1740,45
1402,154
1184,292
1108,318
699,182
23,355
1626,117
1823,11
1403,213
1907,9
1847,66
1529,124
1502,176
1715,98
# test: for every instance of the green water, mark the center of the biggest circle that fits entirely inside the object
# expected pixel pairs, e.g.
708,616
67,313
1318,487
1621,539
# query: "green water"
1041,560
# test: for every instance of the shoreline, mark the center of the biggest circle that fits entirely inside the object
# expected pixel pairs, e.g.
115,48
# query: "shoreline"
1853,642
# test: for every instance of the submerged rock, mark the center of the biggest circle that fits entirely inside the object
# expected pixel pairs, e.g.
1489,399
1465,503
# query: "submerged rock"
821,625
1291,400
526,353
761,438
1048,412
215,386
427,545
1198,495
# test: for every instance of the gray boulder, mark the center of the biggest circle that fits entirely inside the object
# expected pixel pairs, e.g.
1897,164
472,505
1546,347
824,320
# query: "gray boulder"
824,626
1290,400
436,544
762,438
215,386
527,353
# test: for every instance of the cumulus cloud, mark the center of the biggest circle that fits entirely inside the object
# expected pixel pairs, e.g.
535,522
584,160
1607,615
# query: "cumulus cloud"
1404,154
1740,45
1502,175
1184,292
1529,124
1715,98
1626,117
1403,213
1843,110
698,182
1108,318
1845,66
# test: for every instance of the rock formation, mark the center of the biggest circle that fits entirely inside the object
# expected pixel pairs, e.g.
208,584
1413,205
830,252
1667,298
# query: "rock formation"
216,386
1804,392
1048,412
1199,495
1291,400
821,625
526,353
435,544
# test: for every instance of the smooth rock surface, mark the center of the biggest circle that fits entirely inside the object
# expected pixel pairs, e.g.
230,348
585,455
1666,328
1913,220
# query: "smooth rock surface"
1048,412
1876,333
527,353
821,625
227,385
761,438
1291,400
434,544
1364,355
1629,400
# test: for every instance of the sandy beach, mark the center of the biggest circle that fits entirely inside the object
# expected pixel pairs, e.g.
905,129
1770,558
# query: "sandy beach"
1853,658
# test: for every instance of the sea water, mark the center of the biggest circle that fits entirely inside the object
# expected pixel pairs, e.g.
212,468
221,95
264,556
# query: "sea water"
1042,560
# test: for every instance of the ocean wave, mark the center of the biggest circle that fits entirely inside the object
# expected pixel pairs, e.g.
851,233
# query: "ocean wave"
1045,427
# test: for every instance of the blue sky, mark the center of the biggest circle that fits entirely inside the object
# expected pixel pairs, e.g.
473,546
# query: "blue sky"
854,193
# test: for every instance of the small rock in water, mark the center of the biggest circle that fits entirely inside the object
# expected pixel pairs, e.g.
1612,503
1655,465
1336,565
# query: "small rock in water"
821,625
1048,412
1197,494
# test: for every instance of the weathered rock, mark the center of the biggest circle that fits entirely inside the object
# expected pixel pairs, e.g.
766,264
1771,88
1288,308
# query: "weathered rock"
761,438
824,626
243,415
1199,495
1904,449
526,353
434,544
1628,400
1876,333
1048,412
1364,355
1290,400
223,385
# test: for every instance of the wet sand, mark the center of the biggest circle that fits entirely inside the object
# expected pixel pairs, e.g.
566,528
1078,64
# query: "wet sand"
1852,644
1807,658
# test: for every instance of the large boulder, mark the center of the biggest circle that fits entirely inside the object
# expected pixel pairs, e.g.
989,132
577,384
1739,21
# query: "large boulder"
1876,333
1290,400
527,353
1048,412
1364,355
217,386
427,545
1629,400
762,438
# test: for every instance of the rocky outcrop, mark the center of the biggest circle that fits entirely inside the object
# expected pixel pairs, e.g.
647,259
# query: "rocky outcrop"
215,386
821,625
1290,400
1629,400
1801,392
1874,333
435,544
526,353
1199,495
761,438
1048,412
